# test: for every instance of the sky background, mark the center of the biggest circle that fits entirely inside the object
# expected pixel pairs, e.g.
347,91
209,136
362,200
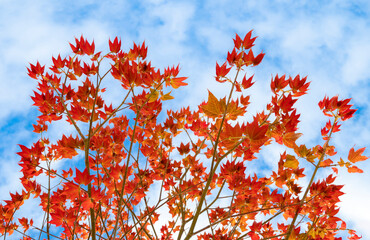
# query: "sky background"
329,41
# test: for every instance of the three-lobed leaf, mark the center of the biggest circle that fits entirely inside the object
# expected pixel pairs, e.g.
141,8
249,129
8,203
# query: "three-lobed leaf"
356,156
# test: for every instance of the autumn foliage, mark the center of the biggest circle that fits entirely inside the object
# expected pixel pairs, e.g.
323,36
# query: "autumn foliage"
140,173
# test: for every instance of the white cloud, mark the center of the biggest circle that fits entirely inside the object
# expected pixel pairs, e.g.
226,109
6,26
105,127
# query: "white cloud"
30,34
353,207
356,69
329,42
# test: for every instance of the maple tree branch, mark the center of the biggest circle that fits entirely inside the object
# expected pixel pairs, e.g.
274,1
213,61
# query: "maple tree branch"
48,206
66,109
182,227
209,218
190,139
66,75
280,235
311,227
103,220
11,217
75,222
105,74
311,181
23,234
87,146
112,114
216,198
47,233
149,218
155,208
159,205
131,145
126,170
213,167
254,211
232,216
87,164
141,182
138,221
266,221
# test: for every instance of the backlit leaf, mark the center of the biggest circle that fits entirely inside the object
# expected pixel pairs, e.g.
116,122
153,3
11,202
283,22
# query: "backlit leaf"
291,162
356,156
290,138
213,107
354,169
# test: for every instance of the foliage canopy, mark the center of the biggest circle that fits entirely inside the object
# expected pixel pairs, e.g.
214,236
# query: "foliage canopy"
181,178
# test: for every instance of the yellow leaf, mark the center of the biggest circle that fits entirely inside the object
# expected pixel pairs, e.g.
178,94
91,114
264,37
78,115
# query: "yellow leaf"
341,162
153,96
167,96
243,226
303,152
233,221
291,162
233,110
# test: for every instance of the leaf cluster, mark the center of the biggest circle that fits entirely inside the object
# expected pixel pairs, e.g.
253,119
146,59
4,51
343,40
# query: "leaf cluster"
196,160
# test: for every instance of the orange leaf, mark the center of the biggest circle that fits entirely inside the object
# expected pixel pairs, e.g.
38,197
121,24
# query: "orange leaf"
290,138
291,162
213,108
24,222
356,156
177,82
184,149
87,204
167,96
244,100
233,110
354,169
153,96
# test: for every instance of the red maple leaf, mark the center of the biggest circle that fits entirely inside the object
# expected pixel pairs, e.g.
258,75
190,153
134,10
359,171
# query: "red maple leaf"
83,178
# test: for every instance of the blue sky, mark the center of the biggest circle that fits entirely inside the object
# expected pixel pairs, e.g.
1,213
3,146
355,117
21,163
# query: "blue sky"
329,42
